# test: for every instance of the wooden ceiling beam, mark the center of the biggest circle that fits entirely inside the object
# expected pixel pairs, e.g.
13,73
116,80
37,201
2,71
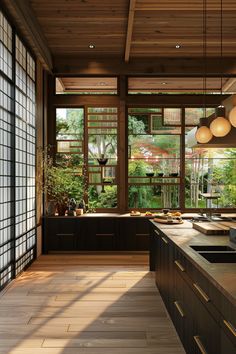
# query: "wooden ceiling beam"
154,66
129,29
25,19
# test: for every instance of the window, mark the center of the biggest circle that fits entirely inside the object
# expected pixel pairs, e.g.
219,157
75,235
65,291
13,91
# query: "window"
17,158
102,129
153,158
98,128
210,179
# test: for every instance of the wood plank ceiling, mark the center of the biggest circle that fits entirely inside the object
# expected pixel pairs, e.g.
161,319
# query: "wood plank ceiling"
136,28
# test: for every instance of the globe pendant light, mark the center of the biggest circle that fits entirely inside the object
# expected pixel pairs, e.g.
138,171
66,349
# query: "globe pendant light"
232,116
203,134
220,126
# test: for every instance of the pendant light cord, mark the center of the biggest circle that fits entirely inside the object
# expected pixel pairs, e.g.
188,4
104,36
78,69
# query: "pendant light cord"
204,51
221,49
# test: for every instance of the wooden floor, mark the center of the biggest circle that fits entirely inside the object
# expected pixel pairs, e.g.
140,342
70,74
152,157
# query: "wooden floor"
90,304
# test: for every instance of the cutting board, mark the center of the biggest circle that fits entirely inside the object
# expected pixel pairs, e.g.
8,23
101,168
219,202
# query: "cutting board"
214,228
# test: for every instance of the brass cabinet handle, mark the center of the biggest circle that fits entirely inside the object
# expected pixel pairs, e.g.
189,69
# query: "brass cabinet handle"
201,292
177,305
164,240
199,344
230,327
180,266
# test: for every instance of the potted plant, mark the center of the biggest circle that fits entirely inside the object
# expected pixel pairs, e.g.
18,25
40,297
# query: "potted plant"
61,184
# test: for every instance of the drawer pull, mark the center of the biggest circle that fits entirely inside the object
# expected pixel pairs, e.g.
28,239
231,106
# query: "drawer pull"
164,240
201,292
177,305
180,266
200,345
230,327
104,234
156,232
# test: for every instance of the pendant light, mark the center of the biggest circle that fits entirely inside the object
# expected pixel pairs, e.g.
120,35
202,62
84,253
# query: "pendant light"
232,116
220,126
203,134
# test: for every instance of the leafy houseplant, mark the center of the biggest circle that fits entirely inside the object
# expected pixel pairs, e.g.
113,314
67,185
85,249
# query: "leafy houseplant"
62,184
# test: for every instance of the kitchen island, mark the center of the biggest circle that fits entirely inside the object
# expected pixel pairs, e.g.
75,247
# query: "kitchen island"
200,296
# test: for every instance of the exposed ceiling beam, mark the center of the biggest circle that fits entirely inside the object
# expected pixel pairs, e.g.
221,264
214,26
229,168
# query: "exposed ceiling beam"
229,84
25,20
129,29
151,67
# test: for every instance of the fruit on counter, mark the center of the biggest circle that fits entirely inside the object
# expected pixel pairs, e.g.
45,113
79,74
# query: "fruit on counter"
148,213
135,213
176,213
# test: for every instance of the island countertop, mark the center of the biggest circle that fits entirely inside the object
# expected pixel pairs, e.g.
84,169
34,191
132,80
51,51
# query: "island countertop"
221,275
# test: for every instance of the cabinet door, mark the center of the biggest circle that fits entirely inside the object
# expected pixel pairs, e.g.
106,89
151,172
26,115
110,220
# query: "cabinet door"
100,234
152,250
198,330
182,317
134,234
61,234
227,346
157,256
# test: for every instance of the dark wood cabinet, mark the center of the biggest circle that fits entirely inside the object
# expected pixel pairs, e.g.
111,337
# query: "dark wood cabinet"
203,318
134,234
96,233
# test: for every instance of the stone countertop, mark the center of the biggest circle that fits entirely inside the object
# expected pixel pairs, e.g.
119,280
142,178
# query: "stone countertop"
125,215
222,275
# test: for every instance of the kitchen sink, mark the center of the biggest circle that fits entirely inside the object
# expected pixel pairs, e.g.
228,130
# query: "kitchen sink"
212,248
219,257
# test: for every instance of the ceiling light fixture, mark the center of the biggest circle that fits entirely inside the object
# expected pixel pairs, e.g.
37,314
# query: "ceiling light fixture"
203,134
220,126
232,116
177,46
91,46
164,83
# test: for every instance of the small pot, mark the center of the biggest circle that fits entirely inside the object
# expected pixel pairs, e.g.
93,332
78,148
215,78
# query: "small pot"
160,174
150,174
102,161
175,174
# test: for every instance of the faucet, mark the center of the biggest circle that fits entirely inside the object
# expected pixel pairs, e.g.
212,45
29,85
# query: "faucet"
209,214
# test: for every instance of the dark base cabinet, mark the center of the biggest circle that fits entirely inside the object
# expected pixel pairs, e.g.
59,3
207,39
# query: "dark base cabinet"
202,315
95,234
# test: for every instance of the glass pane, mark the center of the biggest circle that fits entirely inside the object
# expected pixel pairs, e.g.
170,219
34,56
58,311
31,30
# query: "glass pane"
69,123
102,197
192,115
145,110
138,124
210,178
156,197
154,147
172,116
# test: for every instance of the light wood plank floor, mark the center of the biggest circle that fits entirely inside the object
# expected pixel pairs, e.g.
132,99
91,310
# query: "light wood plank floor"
86,304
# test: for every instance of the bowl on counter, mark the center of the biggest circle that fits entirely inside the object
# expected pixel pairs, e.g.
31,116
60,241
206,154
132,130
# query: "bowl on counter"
160,174
174,174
